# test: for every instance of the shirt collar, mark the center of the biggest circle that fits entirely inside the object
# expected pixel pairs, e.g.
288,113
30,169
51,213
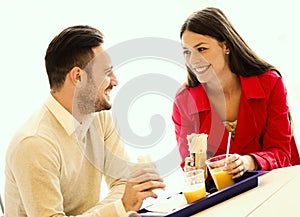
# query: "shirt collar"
65,118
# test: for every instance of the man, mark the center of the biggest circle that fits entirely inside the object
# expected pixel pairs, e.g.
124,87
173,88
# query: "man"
55,162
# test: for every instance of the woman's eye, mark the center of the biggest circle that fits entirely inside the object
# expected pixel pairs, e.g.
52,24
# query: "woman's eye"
201,49
186,52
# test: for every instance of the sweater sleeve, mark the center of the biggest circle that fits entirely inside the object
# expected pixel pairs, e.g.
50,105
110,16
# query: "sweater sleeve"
35,166
116,169
114,208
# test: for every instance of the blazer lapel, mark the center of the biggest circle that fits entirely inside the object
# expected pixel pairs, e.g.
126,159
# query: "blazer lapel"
251,102
209,120
246,128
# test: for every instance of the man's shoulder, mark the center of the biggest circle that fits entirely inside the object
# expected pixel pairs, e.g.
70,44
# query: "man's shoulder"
38,125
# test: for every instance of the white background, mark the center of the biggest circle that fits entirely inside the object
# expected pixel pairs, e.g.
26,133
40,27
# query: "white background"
270,27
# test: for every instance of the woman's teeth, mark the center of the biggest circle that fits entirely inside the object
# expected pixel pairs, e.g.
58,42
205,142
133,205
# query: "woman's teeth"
201,69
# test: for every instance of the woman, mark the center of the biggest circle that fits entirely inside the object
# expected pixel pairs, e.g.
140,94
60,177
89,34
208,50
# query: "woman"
230,89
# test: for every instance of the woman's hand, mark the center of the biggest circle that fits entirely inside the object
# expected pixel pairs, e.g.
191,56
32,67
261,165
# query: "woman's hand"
188,161
239,164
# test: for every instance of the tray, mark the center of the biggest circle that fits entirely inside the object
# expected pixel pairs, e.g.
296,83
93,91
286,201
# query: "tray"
248,181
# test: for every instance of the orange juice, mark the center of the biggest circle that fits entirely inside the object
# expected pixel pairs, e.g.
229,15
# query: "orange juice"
192,196
221,178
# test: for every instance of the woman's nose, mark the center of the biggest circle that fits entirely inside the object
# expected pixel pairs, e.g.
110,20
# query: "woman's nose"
196,58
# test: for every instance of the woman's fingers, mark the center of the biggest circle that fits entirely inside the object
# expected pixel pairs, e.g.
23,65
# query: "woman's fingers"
235,165
188,164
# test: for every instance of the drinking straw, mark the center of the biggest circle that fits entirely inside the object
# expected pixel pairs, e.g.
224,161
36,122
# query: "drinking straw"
228,144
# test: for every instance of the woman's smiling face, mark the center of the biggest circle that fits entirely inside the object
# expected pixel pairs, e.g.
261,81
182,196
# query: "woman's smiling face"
204,55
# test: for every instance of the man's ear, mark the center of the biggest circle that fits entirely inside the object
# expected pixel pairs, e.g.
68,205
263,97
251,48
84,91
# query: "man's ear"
75,75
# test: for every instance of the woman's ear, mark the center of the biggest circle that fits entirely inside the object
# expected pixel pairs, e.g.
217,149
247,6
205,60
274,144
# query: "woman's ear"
226,48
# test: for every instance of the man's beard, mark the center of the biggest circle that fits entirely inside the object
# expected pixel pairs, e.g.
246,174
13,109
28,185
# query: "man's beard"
87,101
101,104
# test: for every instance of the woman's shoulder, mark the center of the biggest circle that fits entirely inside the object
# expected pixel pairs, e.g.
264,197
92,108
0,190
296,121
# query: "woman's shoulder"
269,80
271,74
270,77
182,90
185,90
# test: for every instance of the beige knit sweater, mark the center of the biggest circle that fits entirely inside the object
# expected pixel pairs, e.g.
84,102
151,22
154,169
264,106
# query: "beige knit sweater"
54,166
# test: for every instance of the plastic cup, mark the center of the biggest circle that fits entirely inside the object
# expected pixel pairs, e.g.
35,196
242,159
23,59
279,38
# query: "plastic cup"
195,185
215,166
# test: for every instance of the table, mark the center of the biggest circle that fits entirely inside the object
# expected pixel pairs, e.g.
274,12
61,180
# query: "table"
277,194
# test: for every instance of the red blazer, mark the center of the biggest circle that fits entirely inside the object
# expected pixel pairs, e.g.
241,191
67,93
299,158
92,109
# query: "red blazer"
263,128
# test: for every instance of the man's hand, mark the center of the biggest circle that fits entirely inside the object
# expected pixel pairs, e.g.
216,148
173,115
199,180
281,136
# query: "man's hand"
140,186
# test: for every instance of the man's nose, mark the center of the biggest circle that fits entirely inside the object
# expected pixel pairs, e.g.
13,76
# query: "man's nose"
113,79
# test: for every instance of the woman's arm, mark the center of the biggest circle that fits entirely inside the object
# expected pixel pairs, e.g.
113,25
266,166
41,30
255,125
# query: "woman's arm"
276,150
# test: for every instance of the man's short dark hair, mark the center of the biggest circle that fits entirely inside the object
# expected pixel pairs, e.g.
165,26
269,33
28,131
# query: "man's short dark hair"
72,47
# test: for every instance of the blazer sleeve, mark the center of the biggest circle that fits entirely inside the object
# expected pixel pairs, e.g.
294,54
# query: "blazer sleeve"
183,127
276,149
